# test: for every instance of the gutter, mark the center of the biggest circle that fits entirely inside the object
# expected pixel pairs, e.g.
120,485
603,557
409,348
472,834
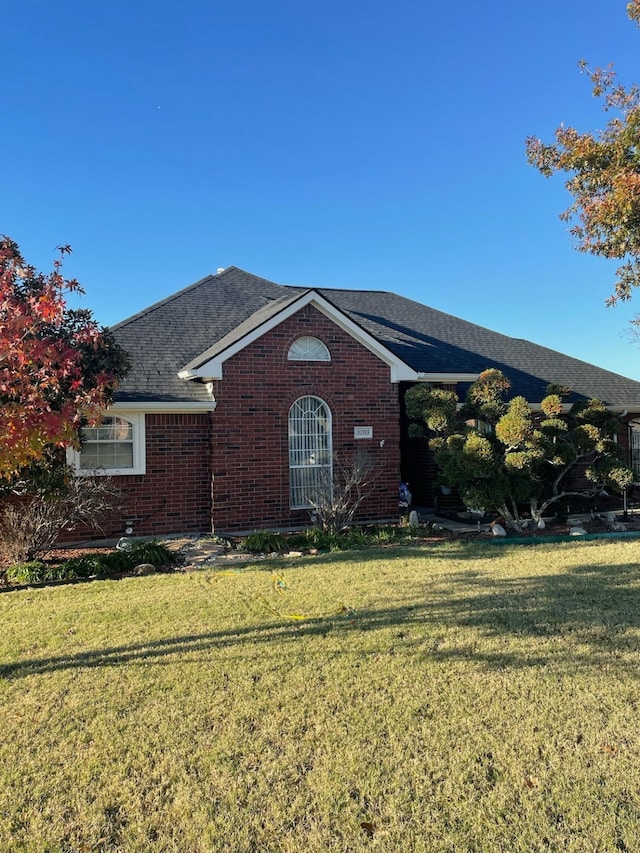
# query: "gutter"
177,407
451,378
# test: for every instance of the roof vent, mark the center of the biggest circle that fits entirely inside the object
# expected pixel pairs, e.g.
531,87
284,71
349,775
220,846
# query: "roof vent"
219,270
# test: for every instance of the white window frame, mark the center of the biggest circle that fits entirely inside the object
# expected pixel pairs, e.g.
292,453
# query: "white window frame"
308,348
634,447
308,443
137,422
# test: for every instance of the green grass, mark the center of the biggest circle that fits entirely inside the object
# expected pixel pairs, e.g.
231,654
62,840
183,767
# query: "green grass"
458,698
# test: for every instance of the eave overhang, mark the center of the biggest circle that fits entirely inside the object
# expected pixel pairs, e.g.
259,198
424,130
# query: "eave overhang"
209,366
447,378
176,407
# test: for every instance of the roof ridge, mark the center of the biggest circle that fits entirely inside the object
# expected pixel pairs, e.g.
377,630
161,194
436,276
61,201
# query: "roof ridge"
168,299
322,288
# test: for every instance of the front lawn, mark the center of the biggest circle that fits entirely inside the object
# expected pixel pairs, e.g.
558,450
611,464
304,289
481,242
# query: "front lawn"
456,697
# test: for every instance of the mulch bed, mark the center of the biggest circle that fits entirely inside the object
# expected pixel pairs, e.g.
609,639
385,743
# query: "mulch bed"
59,555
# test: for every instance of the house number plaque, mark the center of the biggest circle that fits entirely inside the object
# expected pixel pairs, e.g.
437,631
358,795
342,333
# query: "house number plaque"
363,432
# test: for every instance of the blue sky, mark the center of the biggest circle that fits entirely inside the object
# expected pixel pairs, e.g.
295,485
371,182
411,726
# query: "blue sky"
354,144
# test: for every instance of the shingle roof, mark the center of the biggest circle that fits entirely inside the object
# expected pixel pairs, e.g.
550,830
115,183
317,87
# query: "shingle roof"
163,338
256,319
218,310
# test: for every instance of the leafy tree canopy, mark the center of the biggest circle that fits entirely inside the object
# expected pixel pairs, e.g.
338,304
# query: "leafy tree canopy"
58,368
603,169
502,454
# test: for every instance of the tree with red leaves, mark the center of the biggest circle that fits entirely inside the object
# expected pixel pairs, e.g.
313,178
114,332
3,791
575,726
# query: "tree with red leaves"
604,175
58,368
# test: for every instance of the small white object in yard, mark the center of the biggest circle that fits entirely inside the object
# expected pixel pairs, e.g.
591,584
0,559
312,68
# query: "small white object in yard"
413,519
577,531
498,530
124,544
541,524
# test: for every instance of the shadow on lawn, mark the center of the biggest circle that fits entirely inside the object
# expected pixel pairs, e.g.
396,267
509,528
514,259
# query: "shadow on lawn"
587,617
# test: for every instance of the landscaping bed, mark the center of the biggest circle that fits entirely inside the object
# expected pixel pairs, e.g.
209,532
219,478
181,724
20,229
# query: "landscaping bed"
91,562
64,565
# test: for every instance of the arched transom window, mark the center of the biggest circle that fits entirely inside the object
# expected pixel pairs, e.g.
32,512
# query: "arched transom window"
310,453
308,349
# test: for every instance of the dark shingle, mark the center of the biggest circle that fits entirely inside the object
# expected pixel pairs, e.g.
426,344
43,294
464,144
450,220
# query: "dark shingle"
217,310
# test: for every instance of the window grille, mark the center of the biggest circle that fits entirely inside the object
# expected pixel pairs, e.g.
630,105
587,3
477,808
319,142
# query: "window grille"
308,349
108,445
310,453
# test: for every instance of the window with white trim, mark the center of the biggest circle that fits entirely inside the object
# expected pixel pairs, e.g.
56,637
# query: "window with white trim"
310,453
114,446
634,448
308,349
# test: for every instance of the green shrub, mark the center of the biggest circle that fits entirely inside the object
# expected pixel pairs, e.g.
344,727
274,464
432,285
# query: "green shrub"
102,565
78,567
33,572
39,572
92,565
313,537
355,539
154,553
266,542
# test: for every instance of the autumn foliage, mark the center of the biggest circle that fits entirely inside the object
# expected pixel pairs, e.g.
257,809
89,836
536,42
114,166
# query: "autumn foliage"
57,366
603,170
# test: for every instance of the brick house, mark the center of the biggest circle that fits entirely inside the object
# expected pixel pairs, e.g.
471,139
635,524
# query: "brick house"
243,393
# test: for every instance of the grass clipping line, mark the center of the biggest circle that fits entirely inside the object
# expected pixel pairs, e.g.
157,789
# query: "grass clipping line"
470,701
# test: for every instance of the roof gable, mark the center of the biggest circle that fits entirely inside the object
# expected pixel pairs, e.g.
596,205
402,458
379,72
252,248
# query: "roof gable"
209,365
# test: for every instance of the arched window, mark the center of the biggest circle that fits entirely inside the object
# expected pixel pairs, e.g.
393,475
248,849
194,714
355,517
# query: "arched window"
308,349
310,453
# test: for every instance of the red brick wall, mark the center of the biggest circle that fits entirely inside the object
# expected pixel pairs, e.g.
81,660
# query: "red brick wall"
237,456
249,429
174,496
